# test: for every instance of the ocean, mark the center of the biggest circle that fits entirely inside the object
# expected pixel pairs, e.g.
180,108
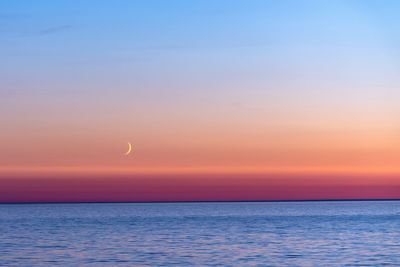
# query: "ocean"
330,233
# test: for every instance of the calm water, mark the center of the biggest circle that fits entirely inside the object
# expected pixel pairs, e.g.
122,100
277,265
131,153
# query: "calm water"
186,234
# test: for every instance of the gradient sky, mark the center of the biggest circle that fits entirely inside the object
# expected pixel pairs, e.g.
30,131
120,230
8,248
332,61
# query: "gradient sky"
222,100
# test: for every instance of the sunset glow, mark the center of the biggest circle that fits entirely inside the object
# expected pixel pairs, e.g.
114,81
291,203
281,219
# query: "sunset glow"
221,101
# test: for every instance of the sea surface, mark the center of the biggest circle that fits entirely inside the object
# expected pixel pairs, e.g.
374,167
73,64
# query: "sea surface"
342,233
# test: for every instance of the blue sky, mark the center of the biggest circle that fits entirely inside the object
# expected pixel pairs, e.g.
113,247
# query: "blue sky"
207,36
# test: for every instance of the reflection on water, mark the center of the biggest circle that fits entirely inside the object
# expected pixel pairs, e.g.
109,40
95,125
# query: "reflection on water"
218,234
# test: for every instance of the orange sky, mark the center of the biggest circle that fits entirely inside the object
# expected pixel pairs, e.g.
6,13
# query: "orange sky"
301,157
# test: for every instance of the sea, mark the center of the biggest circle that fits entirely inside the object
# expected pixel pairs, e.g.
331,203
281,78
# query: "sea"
325,233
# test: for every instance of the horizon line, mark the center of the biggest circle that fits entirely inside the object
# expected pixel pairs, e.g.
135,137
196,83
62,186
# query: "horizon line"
201,201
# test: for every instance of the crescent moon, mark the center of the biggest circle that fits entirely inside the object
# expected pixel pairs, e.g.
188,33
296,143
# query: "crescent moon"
129,149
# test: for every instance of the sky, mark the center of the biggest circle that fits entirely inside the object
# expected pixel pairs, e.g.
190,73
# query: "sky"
221,100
